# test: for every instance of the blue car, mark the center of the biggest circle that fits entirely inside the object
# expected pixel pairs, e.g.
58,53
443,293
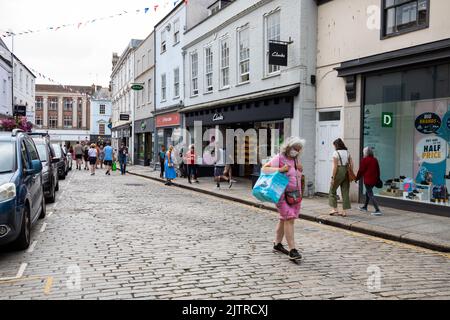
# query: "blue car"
22,200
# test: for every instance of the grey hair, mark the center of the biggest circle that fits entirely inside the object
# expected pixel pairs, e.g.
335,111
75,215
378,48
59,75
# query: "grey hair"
292,142
368,152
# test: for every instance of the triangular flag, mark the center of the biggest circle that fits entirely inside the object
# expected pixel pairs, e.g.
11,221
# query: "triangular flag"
156,7
79,25
146,10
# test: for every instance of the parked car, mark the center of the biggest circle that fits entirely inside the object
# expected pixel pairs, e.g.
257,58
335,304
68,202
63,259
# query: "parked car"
62,160
22,200
50,166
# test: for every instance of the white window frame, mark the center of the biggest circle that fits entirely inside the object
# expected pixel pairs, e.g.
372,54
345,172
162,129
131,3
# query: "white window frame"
163,87
176,83
270,34
104,109
53,102
39,121
194,75
67,104
69,120
104,129
241,61
176,32
163,41
209,69
224,63
53,119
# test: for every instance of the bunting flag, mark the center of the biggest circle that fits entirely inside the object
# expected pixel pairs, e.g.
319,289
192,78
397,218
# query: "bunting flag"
6,34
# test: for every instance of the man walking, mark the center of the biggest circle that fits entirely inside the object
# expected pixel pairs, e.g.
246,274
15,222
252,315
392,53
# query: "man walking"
123,154
108,154
78,154
219,168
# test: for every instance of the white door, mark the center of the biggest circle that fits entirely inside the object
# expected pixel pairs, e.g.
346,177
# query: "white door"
328,130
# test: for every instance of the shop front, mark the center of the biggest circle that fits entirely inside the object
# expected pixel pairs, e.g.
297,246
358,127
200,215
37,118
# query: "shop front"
144,130
168,131
262,122
406,120
121,135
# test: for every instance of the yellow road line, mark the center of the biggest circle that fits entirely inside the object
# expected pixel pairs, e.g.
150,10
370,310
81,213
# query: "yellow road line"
48,285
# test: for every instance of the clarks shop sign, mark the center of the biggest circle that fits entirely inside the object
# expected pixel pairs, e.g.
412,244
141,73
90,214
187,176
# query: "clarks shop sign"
218,117
278,54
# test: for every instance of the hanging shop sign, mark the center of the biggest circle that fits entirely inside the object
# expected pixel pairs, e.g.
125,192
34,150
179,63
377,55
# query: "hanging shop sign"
278,54
432,150
124,117
20,111
428,123
137,86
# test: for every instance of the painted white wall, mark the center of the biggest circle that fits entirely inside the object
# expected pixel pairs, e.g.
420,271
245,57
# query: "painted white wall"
24,88
5,88
298,22
168,61
97,118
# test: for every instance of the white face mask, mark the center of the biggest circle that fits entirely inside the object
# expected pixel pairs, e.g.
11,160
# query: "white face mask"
293,153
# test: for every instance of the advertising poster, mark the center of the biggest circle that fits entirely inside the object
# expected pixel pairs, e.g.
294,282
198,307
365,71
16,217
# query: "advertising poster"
431,147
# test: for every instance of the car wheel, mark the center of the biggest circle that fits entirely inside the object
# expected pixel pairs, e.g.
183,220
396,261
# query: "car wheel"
51,199
23,241
63,177
44,208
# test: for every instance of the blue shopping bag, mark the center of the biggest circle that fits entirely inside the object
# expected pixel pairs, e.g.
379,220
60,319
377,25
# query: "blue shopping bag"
270,187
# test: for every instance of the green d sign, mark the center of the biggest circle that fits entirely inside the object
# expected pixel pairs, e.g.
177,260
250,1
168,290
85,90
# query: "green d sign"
387,119
137,87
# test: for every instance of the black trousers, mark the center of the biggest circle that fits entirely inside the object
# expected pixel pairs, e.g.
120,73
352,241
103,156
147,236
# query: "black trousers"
192,171
161,162
370,196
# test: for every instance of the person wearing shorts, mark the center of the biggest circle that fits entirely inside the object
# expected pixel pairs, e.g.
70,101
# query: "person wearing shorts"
78,150
108,154
219,169
92,153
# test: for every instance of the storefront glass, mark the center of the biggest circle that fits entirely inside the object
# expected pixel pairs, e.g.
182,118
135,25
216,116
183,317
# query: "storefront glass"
141,147
407,122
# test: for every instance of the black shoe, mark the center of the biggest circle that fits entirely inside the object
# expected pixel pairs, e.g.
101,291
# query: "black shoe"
280,248
294,255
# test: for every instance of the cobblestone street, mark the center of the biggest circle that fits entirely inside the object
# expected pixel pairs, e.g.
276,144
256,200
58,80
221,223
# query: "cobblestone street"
130,238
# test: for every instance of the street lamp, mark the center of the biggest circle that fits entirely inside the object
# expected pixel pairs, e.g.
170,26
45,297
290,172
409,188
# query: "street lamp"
11,33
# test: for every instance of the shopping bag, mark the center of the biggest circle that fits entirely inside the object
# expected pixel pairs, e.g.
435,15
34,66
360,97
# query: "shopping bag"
270,187
114,166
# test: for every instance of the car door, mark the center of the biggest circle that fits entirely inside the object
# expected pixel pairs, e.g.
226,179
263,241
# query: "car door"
27,179
36,188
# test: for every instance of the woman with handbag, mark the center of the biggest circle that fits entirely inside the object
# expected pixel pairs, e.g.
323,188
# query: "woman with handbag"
288,161
369,170
342,175
169,165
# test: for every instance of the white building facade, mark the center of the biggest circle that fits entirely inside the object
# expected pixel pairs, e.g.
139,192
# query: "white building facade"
24,90
5,80
122,78
231,85
101,113
169,84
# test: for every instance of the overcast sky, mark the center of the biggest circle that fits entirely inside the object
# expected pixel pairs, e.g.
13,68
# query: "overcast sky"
70,55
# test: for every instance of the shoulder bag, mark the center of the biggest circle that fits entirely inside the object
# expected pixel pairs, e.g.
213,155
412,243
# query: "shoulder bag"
293,197
351,175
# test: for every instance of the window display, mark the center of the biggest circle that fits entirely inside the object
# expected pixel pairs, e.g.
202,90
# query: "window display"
407,122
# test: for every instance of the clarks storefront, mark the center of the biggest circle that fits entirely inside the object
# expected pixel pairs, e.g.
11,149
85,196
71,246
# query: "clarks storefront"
406,119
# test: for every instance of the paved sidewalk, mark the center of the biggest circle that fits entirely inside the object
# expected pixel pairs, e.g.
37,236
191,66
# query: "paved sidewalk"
424,230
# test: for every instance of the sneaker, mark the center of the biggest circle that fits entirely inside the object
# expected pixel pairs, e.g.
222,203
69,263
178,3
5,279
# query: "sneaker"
364,209
294,255
280,248
377,213
217,187
196,181
230,185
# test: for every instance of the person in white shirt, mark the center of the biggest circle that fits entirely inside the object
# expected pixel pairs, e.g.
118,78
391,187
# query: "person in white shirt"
340,178
92,153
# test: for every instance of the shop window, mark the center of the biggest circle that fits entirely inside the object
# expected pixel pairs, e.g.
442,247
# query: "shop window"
407,123
400,16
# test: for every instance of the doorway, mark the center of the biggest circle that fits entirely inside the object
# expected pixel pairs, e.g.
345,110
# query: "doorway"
328,130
